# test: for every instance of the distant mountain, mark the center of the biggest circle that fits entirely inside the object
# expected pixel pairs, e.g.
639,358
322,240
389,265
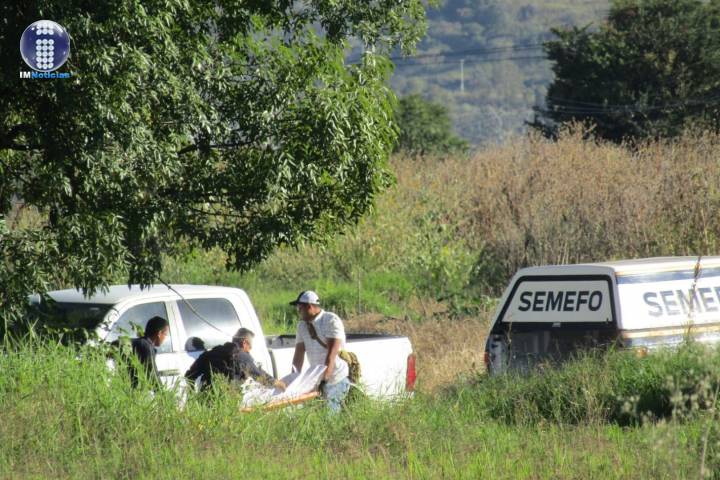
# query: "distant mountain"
461,61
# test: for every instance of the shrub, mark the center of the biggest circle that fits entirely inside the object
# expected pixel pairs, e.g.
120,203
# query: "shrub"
617,387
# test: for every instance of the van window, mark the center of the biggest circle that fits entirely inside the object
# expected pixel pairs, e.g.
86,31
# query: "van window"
214,323
133,321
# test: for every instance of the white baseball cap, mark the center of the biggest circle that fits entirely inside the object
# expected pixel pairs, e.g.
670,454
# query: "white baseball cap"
308,296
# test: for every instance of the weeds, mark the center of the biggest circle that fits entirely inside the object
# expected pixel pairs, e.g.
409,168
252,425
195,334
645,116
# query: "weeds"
456,229
617,387
426,264
63,414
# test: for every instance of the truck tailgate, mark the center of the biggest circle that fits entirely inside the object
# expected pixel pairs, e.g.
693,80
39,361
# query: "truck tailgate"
383,359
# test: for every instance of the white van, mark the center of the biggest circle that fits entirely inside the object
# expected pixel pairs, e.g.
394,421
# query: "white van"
549,313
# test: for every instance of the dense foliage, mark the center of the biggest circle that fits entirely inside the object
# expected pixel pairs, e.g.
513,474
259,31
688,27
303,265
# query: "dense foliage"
456,229
229,124
650,71
425,128
616,386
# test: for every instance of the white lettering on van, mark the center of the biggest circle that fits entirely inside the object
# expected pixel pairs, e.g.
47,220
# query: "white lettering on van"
682,302
707,301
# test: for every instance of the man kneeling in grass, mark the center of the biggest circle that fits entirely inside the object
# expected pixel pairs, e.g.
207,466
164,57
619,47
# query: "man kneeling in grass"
232,360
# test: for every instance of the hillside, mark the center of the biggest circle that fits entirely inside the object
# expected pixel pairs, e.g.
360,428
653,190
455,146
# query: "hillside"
495,96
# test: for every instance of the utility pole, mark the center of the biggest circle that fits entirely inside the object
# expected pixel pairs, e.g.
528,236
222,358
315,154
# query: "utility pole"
462,75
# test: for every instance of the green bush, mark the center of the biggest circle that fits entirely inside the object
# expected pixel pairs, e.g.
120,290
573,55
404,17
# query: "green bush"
617,387
456,229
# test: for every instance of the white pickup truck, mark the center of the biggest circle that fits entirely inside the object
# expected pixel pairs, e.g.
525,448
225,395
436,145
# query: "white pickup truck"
202,317
549,313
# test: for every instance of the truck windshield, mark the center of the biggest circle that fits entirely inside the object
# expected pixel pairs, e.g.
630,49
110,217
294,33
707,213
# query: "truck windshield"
76,319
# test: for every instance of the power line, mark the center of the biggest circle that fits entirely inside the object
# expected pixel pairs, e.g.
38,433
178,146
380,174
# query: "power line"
472,61
466,52
630,106
471,52
601,109
455,53
709,101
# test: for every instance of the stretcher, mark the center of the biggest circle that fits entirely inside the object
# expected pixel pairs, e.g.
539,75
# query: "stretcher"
286,402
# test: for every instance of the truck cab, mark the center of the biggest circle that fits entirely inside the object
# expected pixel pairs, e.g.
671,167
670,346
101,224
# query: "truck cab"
550,313
200,318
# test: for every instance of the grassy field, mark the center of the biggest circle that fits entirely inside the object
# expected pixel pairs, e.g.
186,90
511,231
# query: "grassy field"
64,415
454,230
429,263
440,246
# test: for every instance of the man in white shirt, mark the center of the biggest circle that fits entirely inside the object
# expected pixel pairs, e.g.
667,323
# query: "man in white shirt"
321,335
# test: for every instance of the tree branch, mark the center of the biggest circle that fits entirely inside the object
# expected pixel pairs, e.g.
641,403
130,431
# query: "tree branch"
18,147
195,146
7,140
217,214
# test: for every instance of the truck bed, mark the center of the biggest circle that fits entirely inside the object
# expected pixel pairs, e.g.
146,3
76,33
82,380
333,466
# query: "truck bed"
288,340
383,360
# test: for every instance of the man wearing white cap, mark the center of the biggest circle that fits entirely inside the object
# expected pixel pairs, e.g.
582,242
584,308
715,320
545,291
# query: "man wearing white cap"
321,335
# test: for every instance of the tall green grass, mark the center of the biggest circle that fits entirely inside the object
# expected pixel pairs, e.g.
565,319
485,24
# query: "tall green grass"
382,292
617,387
63,414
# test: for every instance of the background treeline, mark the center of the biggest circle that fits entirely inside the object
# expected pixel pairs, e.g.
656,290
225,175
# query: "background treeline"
650,70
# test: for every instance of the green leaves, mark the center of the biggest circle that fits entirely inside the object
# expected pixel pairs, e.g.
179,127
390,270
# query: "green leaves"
227,124
650,71
425,128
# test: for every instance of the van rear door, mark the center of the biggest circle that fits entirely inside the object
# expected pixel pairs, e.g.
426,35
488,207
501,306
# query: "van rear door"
547,318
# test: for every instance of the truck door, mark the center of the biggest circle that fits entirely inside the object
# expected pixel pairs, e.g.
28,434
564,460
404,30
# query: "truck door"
205,323
131,322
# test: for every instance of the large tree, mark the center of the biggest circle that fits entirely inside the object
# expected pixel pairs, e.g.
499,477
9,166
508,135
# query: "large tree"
224,123
651,70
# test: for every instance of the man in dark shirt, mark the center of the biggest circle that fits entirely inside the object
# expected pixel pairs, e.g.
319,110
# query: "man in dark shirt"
232,360
145,349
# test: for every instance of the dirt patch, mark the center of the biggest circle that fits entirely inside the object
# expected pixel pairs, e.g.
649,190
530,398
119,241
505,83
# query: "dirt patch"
446,348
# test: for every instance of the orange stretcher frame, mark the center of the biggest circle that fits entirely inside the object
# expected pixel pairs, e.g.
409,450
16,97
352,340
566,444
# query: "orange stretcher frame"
283,403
